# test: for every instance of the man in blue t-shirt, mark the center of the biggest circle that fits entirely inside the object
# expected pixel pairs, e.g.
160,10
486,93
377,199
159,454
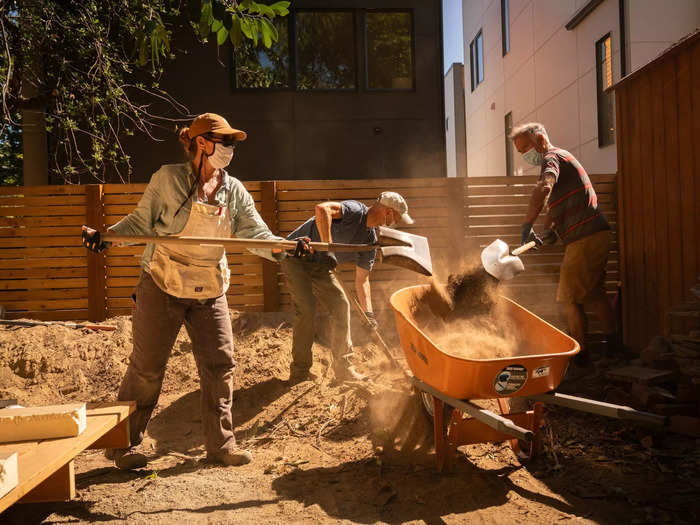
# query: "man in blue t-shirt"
312,278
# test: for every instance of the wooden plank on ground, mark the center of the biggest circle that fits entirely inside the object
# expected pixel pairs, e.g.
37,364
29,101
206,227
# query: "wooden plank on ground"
39,461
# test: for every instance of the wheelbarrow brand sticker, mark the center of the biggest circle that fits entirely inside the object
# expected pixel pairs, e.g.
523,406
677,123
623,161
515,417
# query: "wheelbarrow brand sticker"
419,354
540,371
510,379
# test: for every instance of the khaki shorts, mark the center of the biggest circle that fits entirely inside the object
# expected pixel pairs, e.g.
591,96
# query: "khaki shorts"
582,274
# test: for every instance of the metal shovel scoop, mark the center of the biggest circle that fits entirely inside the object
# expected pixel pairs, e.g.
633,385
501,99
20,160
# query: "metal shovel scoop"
502,264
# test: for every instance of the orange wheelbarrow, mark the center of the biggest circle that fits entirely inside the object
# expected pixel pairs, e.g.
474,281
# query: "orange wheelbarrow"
443,380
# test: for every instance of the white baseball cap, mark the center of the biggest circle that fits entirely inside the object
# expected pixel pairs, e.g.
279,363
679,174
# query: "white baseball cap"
396,202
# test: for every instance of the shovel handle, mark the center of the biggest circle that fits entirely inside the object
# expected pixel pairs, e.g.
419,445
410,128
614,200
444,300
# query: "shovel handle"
525,247
228,242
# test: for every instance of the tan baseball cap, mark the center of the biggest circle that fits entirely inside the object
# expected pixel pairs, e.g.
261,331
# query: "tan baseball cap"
213,123
396,202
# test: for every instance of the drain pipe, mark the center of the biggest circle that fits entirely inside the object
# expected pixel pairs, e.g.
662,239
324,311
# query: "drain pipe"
623,40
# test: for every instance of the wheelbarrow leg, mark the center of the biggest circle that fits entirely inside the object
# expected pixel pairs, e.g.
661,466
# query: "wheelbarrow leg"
536,420
439,434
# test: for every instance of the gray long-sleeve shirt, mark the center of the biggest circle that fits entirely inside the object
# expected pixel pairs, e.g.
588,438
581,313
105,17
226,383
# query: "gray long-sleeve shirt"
168,189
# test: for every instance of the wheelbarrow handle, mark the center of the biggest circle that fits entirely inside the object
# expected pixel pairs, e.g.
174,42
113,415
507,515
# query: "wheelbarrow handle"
493,420
600,408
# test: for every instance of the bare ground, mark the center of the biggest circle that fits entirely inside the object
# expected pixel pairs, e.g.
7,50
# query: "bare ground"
316,448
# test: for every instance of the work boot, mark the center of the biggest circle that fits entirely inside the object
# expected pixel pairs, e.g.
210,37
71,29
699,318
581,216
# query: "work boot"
297,376
233,457
345,371
126,458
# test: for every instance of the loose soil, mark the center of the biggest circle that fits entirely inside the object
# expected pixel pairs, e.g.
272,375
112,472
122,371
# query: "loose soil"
329,453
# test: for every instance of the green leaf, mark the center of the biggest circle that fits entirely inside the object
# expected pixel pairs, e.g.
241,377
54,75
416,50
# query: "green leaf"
268,32
246,27
281,8
235,32
221,35
218,24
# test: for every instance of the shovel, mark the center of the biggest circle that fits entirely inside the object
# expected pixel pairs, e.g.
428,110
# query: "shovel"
394,247
502,264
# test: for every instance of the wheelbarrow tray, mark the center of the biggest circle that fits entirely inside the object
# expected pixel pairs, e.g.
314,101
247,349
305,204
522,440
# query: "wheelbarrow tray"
485,378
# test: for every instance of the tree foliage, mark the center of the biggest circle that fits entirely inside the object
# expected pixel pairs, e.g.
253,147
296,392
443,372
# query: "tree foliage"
94,67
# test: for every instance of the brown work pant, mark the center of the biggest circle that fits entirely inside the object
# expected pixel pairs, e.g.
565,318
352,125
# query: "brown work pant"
156,321
310,282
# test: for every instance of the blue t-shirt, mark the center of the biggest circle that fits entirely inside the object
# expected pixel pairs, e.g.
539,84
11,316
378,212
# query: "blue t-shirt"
351,228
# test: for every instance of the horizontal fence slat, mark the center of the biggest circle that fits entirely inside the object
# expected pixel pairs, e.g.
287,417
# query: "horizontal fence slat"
14,253
15,222
43,273
43,190
323,194
38,231
46,304
24,295
54,262
54,200
41,211
28,284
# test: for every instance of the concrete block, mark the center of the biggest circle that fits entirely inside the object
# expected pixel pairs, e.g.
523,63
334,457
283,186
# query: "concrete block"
33,423
8,472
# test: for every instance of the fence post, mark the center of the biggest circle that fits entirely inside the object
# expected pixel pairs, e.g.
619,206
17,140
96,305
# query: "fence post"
271,289
97,268
457,212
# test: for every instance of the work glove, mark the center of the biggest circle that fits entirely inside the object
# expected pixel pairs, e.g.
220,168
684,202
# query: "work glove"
372,320
302,248
92,240
549,236
528,234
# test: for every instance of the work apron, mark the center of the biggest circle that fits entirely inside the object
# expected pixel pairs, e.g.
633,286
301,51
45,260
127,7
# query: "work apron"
195,272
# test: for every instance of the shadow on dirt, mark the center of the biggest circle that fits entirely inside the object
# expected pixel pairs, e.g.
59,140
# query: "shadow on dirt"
366,493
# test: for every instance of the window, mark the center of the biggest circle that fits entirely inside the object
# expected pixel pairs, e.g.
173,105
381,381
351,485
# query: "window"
389,50
606,116
325,45
476,54
509,144
260,67
505,30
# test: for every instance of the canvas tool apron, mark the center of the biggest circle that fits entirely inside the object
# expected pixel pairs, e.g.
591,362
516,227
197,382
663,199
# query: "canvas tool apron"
195,272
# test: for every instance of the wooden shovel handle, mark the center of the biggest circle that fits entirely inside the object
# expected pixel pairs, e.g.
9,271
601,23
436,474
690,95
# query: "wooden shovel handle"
525,247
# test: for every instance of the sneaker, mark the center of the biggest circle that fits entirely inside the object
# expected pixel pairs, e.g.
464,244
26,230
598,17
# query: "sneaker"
126,458
232,457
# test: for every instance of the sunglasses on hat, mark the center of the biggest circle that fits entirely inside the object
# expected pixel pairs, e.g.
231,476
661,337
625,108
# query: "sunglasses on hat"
227,140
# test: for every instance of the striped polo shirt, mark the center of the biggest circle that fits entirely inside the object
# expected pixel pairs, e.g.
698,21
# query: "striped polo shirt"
573,203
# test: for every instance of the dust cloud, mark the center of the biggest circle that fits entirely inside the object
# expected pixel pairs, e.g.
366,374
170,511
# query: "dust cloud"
465,318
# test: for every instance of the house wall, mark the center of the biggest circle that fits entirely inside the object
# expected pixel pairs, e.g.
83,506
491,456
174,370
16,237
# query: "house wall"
318,135
549,75
455,141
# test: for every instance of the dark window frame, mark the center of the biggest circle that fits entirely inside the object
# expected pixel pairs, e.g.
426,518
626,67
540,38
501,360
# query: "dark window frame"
357,64
505,27
475,60
291,45
508,125
604,97
365,50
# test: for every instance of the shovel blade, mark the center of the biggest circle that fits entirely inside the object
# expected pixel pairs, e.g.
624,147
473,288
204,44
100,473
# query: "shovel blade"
415,258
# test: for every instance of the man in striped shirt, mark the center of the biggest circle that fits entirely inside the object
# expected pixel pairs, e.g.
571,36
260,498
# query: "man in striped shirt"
573,216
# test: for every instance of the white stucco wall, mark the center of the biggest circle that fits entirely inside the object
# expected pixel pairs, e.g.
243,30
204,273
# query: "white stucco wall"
549,74
450,123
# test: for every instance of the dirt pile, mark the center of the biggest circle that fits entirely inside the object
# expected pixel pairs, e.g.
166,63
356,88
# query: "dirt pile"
55,364
465,318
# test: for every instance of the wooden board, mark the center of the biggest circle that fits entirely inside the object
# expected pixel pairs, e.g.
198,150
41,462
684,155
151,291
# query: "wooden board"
44,466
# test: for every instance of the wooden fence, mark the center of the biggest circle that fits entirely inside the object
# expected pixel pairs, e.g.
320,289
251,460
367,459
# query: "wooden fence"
658,124
45,273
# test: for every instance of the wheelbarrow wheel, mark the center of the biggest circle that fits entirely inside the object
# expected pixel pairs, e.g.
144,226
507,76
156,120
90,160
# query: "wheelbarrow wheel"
426,403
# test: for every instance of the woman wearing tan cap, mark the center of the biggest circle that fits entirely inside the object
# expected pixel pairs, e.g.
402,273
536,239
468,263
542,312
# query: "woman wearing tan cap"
187,284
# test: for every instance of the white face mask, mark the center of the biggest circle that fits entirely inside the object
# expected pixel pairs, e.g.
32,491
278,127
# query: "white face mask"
532,156
221,156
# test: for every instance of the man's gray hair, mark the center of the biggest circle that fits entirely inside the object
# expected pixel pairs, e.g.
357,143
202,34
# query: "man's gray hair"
531,129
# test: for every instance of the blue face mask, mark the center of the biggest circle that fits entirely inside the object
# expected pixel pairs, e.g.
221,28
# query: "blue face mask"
532,156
